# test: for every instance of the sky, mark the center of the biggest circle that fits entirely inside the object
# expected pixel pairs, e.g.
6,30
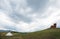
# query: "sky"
29,15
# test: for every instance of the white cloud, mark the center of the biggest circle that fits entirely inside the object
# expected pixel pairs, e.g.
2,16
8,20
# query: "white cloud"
25,11
4,18
26,27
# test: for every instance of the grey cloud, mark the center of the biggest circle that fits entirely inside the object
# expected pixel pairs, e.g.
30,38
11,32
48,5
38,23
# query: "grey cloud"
18,17
14,15
37,4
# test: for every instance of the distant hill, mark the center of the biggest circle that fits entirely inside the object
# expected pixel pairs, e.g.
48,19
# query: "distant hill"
4,30
44,34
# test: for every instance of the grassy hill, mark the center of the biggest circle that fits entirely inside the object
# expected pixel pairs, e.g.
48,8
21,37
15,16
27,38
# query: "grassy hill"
44,34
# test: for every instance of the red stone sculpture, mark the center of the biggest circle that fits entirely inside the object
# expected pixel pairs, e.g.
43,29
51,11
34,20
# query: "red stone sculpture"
53,26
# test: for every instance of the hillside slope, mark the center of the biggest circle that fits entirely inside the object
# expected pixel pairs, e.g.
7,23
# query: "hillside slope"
45,34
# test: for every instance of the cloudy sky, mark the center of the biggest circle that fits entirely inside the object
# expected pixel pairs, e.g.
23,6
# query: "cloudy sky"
29,15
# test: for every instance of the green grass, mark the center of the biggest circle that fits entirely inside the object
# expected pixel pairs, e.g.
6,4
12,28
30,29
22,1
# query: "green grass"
44,34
